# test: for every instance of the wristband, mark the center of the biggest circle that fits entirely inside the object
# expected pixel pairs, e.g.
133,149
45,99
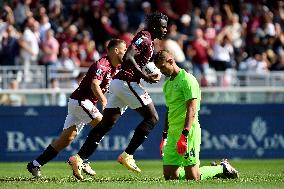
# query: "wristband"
165,135
185,132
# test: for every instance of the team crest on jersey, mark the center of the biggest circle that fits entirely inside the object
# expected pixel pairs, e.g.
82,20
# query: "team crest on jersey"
99,72
138,41
108,76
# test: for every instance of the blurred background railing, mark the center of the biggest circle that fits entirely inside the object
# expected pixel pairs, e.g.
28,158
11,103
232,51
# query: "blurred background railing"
224,87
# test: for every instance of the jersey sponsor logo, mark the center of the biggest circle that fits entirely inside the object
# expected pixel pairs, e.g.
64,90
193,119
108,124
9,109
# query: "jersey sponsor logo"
99,72
138,41
258,140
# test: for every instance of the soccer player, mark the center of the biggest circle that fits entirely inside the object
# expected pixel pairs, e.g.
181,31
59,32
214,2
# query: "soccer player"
182,130
82,105
126,90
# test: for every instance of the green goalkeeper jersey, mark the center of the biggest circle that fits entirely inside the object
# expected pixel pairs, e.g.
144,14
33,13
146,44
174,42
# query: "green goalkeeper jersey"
177,92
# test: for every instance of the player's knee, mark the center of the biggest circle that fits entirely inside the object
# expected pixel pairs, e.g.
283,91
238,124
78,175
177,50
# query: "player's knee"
170,175
167,176
98,132
147,125
193,176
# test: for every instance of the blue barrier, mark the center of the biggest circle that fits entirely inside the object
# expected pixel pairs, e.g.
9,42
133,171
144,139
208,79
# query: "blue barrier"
233,131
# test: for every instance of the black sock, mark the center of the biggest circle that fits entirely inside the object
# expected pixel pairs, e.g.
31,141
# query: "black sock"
93,140
138,138
88,148
48,154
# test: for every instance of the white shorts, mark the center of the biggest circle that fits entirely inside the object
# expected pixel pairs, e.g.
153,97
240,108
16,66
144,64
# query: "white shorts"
80,113
123,94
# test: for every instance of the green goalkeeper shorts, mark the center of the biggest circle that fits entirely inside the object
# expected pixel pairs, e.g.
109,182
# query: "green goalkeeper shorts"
171,156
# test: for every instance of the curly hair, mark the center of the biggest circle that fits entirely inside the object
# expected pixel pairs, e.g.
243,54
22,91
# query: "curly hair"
154,19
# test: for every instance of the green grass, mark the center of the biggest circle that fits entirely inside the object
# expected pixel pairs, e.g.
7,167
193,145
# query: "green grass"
256,174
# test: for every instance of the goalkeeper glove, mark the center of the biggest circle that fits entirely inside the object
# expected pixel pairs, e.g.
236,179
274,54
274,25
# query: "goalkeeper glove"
163,143
182,142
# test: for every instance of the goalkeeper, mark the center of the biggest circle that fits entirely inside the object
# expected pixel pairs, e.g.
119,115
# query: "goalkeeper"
181,141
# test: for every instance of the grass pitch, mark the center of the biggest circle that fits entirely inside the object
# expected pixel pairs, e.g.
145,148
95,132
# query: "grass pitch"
256,174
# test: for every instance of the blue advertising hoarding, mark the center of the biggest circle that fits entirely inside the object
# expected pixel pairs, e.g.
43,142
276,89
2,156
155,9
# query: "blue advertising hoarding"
233,131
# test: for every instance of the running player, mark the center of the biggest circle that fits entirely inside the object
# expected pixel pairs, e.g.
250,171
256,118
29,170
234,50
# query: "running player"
182,129
82,105
126,90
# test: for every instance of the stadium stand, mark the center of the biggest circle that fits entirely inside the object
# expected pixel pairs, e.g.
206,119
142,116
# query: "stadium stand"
232,47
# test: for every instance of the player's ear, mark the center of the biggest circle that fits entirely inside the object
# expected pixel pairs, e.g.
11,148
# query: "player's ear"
116,50
171,61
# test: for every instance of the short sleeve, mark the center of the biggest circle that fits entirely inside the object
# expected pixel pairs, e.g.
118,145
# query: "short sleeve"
190,88
143,44
99,72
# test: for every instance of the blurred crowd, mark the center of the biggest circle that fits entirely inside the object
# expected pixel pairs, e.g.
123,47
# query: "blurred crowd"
203,35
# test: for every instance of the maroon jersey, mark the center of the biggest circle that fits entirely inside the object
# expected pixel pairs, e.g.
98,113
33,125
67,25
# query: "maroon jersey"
101,70
144,46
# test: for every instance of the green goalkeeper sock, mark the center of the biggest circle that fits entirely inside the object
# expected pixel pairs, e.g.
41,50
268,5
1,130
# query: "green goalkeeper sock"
206,172
181,173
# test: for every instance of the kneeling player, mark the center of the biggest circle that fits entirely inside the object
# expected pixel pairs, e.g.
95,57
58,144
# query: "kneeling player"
182,129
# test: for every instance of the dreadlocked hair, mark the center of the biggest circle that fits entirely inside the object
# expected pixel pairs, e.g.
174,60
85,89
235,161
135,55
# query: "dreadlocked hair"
154,19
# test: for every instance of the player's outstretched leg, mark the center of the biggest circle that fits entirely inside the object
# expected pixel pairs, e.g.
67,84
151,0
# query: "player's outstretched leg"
76,164
34,166
34,170
223,170
128,161
87,168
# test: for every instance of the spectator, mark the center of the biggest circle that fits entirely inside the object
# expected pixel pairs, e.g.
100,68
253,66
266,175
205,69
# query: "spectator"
22,12
222,53
13,99
29,47
165,6
234,28
50,48
9,47
175,35
88,53
199,55
251,25
120,17
125,36
269,28
174,48
66,38
279,65
6,19
65,63
187,26
256,63
146,10
76,82
74,53
56,98
44,26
